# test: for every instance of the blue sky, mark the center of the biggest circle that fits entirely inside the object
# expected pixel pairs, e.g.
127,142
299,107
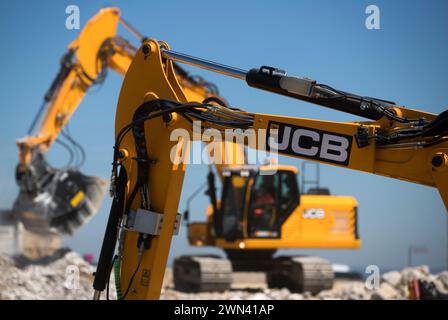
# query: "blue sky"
405,61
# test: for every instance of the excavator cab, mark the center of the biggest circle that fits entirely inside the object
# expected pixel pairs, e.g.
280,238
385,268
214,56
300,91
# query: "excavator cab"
255,202
247,223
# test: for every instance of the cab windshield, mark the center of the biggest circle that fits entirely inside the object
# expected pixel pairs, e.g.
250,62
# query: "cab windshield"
267,200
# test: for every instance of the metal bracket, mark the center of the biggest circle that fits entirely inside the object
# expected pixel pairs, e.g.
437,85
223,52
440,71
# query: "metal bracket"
362,137
150,222
177,223
300,86
144,221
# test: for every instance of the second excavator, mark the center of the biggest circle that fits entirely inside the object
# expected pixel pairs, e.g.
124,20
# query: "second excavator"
261,210
61,200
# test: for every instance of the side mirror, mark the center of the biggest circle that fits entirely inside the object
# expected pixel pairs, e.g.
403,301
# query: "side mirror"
186,216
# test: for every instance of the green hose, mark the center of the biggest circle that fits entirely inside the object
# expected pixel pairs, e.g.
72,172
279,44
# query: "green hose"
117,268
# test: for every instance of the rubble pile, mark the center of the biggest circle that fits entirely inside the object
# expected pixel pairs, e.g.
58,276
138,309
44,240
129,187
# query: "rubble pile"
67,276
393,285
262,294
52,278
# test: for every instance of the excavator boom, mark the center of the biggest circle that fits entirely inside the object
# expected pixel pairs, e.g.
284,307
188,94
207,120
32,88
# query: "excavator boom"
398,142
62,200
87,59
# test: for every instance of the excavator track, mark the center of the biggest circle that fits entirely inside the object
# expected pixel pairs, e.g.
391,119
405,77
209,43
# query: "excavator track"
202,273
301,274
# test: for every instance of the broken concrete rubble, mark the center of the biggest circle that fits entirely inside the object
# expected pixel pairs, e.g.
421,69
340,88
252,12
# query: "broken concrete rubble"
67,275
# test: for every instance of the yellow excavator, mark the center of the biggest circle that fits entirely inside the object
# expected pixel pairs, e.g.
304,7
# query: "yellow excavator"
153,107
260,211
146,183
61,200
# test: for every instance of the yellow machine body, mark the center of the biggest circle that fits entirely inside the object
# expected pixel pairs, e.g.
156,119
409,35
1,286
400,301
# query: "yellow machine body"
317,222
151,77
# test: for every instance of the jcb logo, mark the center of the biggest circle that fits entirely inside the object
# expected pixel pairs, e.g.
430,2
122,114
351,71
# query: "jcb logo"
309,143
313,214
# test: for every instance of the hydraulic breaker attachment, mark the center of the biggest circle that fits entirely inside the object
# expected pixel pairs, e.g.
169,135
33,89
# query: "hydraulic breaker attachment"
61,200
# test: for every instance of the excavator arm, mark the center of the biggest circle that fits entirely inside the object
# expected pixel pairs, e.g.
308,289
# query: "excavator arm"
54,200
63,199
85,63
155,121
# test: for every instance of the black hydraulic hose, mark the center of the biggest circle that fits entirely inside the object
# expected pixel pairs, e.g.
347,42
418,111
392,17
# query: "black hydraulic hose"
70,152
66,67
37,117
110,237
64,70
76,146
439,126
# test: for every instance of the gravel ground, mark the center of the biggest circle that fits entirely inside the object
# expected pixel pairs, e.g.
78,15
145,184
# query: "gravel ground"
54,279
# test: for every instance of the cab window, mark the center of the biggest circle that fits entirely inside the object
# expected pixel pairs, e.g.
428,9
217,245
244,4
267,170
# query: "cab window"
263,211
274,198
289,195
233,206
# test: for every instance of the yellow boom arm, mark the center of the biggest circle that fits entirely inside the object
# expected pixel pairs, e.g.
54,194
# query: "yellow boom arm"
400,143
96,49
61,199
88,57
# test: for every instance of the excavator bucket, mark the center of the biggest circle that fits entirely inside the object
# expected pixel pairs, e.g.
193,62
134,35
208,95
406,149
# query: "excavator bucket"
62,200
